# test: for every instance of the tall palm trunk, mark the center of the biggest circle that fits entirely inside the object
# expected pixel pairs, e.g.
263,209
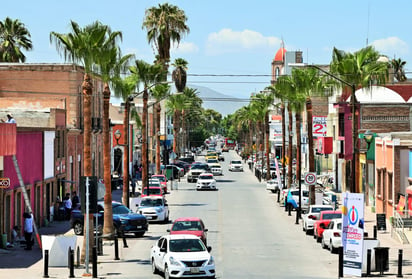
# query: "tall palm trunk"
268,176
298,157
290,165
183,138
157,135
311,152
87,89
145,163
126,154
283,113
176,131
108,213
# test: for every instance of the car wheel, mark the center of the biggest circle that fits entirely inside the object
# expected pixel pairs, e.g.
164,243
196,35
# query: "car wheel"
139,234
78,228
318,239
166,273
166,219
322,244
303,227
154,268
332,250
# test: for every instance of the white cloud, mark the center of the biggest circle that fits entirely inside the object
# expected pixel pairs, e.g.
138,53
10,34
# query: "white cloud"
184,47
391,46
227,40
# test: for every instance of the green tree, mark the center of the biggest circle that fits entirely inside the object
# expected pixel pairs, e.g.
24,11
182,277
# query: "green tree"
148,75
14,36
179,74
398,69
84,45
359,69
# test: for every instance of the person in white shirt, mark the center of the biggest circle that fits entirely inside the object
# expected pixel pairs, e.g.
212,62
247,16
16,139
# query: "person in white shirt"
28,230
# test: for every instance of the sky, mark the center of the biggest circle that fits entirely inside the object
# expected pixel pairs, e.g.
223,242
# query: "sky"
231,44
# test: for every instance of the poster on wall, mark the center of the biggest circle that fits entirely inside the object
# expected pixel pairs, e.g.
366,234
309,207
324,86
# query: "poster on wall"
319,125
352,233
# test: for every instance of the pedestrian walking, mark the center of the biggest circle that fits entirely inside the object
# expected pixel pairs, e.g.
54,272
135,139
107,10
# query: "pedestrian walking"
67,206
28,230
75,200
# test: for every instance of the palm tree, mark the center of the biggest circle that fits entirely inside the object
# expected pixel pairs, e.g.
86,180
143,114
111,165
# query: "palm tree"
165,25
160,91
179,75
359,69
175,104
14,37
398,69
148,75
83,45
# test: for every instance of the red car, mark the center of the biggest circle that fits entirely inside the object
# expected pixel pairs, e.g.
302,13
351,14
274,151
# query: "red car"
163,181
323,221
153,191
189,225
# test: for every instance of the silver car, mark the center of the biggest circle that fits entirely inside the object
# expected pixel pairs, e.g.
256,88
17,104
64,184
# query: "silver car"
154,209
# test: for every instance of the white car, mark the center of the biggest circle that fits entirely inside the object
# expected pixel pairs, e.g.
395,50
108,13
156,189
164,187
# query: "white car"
154,209
182,256
272,185
216,169
332,235
235,165
206,181
309,218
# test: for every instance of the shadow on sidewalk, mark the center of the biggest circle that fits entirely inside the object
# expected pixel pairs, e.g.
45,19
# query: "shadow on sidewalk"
17,257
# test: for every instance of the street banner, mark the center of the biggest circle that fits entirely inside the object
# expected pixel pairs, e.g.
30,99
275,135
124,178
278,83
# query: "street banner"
352,233
278,174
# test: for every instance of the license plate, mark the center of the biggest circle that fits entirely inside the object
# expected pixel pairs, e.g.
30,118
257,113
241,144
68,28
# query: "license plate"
139,227
149,217
194,270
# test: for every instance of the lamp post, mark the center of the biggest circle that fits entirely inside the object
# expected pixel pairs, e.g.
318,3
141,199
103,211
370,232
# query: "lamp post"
354,124
368,136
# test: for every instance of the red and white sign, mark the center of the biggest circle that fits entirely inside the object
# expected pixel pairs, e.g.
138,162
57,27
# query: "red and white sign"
319,125
310,178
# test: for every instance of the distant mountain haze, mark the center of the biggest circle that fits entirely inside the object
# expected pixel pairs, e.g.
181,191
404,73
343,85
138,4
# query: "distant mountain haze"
224,104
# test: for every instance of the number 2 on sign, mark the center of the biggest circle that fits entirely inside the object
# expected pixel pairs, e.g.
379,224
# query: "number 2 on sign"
318,129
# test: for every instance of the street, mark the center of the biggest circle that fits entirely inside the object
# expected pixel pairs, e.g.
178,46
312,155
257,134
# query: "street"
250,234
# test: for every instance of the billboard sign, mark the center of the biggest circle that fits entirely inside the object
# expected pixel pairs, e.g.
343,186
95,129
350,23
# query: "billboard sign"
352,233
319,126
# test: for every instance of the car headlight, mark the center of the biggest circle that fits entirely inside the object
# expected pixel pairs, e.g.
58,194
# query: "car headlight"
173,261
124,221
211,261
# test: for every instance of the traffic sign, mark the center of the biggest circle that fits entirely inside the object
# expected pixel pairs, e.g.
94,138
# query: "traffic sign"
4,183
310,178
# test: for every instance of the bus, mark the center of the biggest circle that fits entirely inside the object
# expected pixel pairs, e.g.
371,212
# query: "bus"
229,143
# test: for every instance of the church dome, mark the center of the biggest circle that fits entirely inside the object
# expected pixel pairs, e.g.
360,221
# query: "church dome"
280,55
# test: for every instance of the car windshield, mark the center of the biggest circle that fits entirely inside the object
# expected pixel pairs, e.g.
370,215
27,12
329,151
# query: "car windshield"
205,177
161,178
151,202
236,162
186,245
320,209
153,191
198,167
187,226
212,161
120,209
328,216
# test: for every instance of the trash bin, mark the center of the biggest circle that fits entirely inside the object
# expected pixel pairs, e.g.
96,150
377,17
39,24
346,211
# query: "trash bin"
382,259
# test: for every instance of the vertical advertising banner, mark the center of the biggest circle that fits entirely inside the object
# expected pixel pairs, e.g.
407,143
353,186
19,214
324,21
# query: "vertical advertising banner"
352,233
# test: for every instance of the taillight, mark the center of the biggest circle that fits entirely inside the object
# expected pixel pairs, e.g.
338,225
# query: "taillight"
313,217
336,234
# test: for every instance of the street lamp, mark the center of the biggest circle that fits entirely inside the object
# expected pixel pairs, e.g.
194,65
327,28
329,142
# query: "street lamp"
117,136
354,122
368,136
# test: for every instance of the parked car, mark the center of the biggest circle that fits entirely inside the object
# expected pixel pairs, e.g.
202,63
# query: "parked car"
292,198
181,256
272,185
153,191
163,181
190,225
206,181
313,214
320,225
172,171
183,165
188,159
195,170
124,220
154,209
332,235
235,165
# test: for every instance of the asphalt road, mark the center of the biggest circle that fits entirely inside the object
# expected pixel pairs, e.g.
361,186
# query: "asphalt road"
250,234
